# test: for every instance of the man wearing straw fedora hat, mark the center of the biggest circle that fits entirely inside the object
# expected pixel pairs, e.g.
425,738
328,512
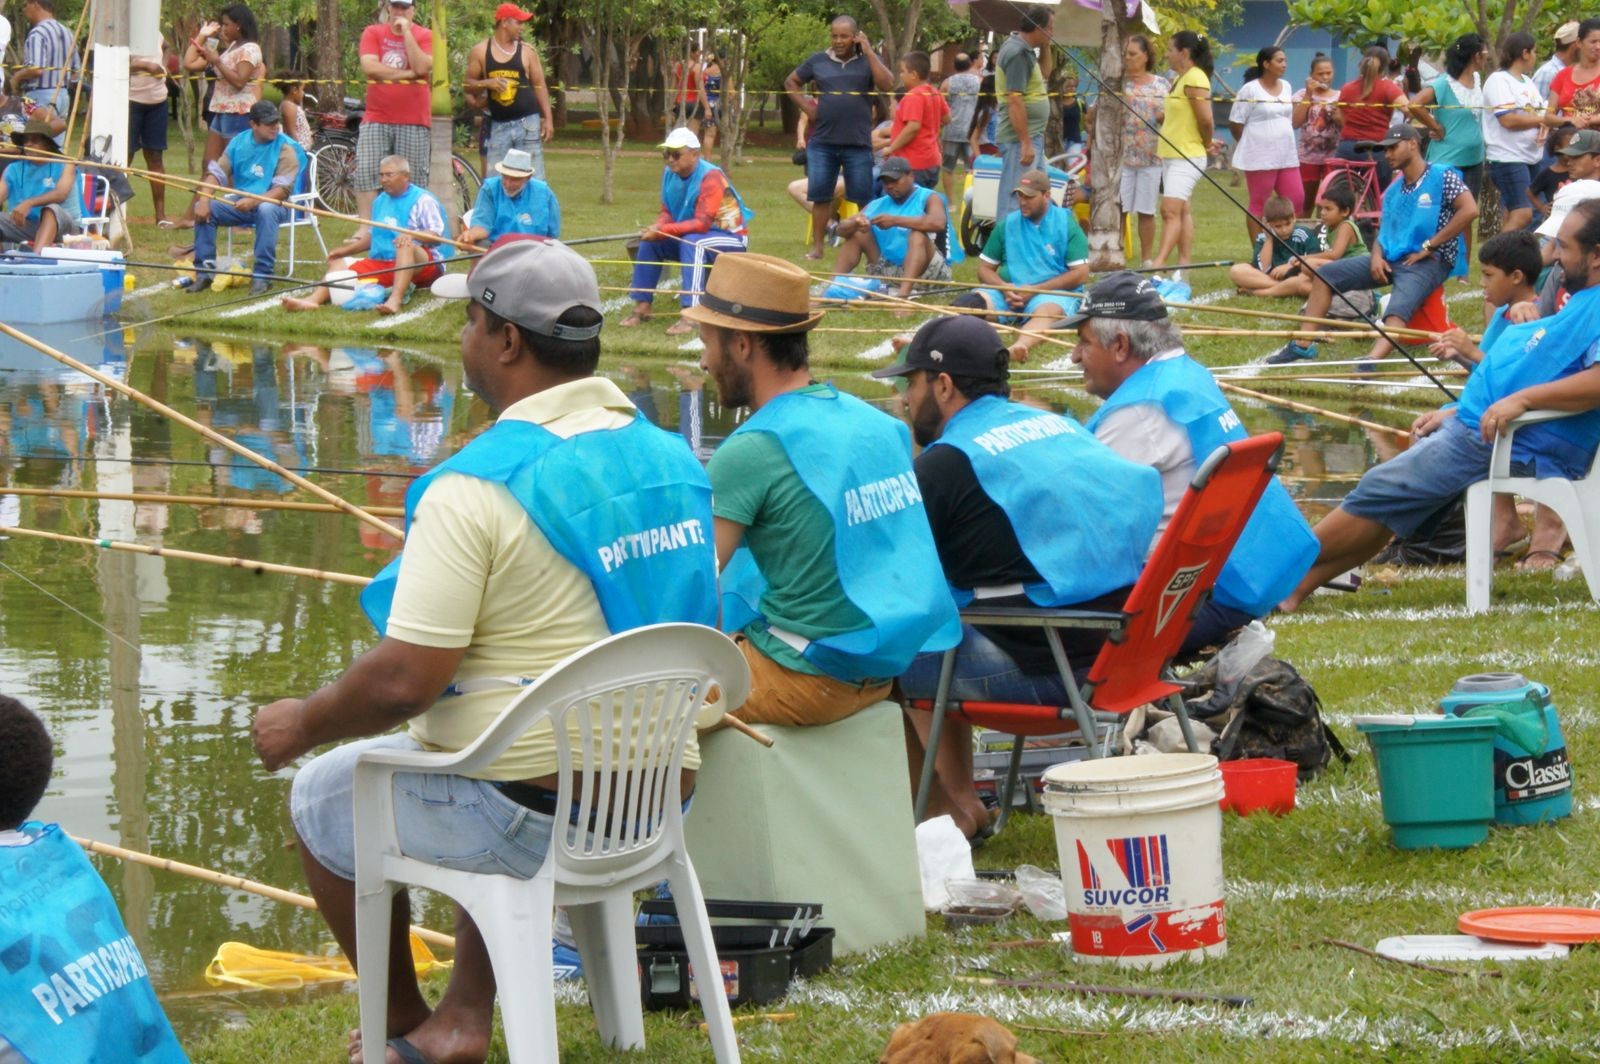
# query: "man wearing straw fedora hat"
513,202
830,579
41,196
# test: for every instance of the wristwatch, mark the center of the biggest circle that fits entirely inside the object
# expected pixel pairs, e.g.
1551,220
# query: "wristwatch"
1427,245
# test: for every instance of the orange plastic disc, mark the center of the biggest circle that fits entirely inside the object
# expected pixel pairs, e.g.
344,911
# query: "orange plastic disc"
1533,924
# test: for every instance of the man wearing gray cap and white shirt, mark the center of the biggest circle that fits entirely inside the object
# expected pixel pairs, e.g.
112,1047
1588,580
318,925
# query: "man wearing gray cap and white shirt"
499,581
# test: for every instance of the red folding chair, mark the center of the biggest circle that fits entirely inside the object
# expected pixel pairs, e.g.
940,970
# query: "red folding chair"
1132,667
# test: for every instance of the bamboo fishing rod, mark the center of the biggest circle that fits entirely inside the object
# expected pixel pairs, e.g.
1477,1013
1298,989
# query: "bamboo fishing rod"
728,720
193,184
1374,375
192,556
222,879
196,500
1307,408
1387,331
205,430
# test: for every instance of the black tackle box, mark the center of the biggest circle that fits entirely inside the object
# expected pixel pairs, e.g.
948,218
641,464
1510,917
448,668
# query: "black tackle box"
771,943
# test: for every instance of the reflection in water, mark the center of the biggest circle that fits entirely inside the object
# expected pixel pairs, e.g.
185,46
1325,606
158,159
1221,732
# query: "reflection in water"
148,673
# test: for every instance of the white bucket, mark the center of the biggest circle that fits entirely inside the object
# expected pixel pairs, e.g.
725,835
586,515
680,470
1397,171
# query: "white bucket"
1140,843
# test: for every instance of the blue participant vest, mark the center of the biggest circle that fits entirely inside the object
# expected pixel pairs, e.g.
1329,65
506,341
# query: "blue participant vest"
888,565
1037,252
393,210
254,164
1277,546
892,241
533,211
630,507
1538,352
75,987
679,194
1410,217
1083,514
26,180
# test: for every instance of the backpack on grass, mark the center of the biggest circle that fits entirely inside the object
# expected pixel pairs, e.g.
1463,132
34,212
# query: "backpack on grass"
1273,713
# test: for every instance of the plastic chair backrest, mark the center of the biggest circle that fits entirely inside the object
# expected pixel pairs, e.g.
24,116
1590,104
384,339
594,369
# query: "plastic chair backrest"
621,710
1178,577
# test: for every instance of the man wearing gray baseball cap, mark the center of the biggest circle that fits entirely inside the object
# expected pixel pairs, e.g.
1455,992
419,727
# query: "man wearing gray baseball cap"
572,518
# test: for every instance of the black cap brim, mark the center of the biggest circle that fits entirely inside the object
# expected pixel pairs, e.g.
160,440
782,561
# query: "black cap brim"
899,369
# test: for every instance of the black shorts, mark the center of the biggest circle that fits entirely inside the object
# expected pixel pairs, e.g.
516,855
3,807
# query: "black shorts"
689,111
147,127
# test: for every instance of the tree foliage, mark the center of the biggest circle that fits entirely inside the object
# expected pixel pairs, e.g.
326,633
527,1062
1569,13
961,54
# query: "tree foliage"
1432,24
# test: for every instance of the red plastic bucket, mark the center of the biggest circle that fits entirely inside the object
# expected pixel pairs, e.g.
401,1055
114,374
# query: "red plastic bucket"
1253,784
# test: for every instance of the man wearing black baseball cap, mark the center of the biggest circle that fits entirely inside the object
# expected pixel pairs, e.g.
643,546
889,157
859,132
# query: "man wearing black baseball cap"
1027,509
896,233
264,162
1425,213
571,519
1164,410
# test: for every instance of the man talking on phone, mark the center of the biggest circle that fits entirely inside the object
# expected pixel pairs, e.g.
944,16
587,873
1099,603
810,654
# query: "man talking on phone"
845,75
396,59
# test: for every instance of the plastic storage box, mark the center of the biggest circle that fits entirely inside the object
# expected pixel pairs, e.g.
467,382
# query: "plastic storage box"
37,291
113,270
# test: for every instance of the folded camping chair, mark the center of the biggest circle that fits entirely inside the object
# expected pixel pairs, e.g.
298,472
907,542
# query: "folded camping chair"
1146,634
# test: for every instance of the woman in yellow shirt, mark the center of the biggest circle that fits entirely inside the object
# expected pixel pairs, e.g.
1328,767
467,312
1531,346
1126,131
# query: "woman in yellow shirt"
1186,132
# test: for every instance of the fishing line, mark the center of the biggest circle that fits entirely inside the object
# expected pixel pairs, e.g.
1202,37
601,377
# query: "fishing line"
65,604
210,465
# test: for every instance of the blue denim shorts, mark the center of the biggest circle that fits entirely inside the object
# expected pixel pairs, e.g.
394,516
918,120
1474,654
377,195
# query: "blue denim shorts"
1067,301
1411,492
1412,284
825,161
229,125
1511,180
452,821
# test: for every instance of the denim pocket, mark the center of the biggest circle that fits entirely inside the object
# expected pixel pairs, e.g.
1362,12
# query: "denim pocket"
437,789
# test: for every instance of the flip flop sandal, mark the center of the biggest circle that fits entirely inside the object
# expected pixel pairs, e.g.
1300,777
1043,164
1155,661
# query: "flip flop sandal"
633,321
1513,549
1523,565
680,328
407,1052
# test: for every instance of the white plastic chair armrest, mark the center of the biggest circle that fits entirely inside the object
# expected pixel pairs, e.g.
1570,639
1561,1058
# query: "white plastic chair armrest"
1500,461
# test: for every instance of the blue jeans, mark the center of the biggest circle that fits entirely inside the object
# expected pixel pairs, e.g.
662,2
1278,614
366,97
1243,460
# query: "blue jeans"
517,133
823,163
1511,180
1011,170
1412,284
984,673
1411,491
228,126
265,219
696,251
453,821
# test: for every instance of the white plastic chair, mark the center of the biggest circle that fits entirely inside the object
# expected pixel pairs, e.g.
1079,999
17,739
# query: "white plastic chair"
305,197
638,694
1576,502
97,190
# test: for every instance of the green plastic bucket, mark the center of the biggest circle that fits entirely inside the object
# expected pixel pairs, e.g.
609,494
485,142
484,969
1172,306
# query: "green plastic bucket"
1434,775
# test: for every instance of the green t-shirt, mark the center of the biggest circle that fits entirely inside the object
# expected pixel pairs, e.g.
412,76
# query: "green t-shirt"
790,534
1077,250
1300,242
1016,69
1357,246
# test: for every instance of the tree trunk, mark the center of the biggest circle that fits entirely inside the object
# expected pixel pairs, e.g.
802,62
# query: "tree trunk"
1105,158
732,117
326,52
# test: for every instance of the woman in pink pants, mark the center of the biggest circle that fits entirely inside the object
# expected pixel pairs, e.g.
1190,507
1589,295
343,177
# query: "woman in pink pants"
1262,121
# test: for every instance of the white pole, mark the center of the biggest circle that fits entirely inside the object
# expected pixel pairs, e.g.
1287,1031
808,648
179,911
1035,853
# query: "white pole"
108,109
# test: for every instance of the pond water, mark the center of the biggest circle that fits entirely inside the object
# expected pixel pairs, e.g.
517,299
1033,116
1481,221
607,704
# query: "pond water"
147,670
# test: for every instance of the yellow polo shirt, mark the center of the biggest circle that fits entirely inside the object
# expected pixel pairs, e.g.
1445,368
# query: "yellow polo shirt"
477,573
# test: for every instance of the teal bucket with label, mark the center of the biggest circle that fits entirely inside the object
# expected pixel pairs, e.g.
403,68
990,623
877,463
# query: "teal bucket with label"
1433,777
1532,773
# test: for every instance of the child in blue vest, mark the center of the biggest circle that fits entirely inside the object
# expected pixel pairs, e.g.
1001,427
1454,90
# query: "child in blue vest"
73,988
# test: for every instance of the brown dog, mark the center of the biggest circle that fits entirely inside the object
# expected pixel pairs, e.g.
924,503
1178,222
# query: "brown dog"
953,1038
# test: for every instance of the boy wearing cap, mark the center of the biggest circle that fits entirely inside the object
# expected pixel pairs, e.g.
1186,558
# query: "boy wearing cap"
1037,246
514,201
896,232
263,162
1027,509
1419,242
701,217
512,76
396,58
510,566
1163,409
41,197
830,578
395,259
73,986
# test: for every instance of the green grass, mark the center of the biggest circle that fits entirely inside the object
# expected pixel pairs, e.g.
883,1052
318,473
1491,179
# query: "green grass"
1327,870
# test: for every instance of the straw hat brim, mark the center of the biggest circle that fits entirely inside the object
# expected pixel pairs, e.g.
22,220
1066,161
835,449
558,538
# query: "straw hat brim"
706,316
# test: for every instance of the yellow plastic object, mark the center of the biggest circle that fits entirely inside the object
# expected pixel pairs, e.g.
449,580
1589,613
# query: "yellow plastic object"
843,207
243,965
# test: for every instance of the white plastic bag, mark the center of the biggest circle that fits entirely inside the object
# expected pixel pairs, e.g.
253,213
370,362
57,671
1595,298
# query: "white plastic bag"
1253,643
943,853
1046,898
